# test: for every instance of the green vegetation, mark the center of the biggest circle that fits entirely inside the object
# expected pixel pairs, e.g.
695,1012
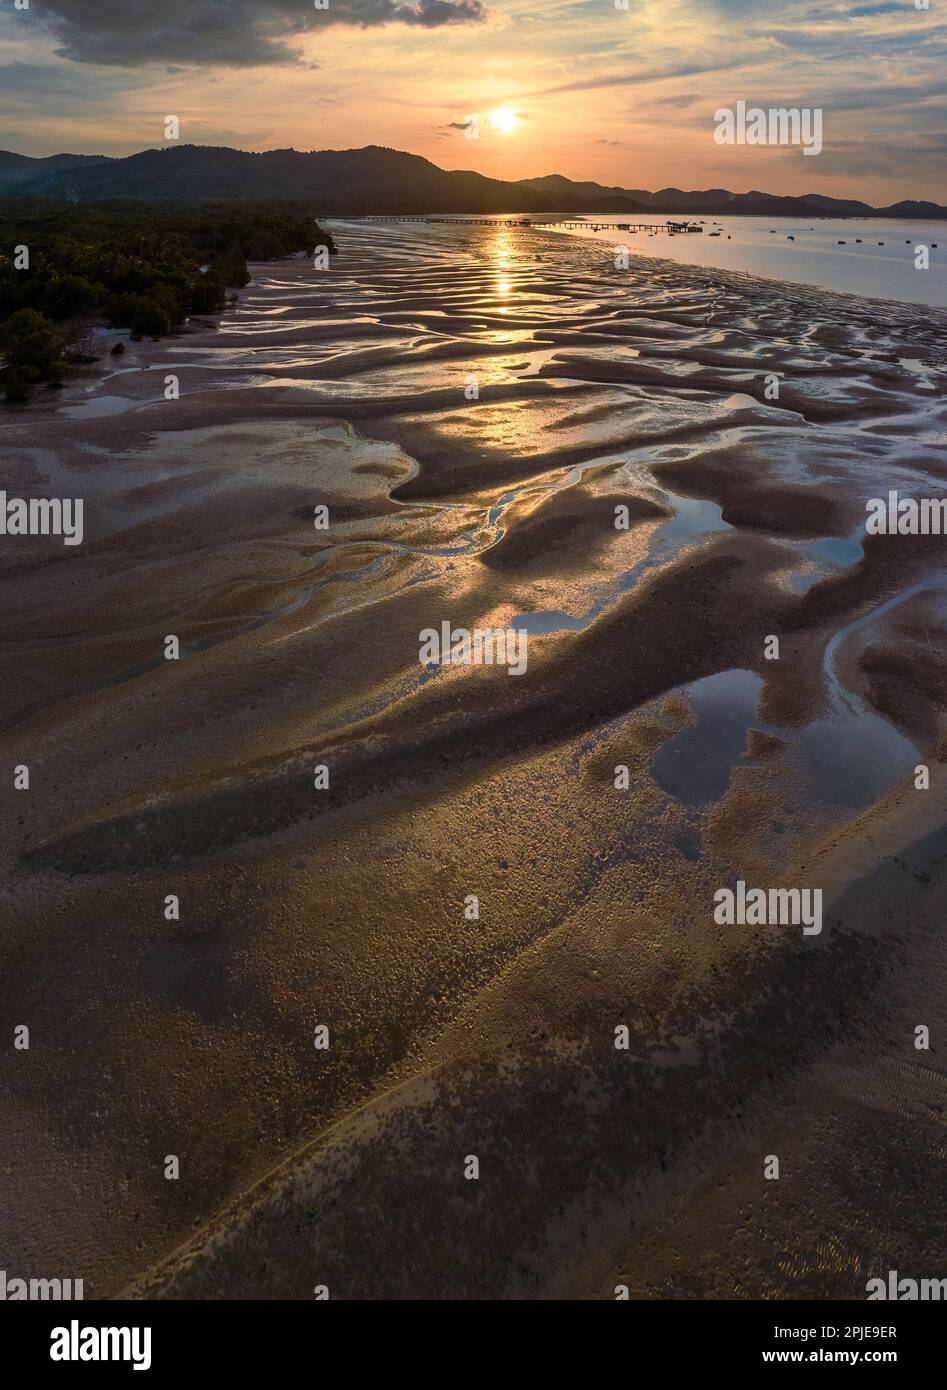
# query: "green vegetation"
126,265
231,267
32,351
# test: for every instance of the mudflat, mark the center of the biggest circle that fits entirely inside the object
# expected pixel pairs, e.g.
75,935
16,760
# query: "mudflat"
492,877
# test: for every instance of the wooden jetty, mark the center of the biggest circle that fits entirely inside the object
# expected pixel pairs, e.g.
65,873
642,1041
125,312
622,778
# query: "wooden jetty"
487,219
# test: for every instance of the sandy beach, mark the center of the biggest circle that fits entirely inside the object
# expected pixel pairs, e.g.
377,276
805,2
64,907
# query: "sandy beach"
471,404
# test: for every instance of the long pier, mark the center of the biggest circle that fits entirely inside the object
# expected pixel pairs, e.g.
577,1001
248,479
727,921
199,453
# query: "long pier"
485,218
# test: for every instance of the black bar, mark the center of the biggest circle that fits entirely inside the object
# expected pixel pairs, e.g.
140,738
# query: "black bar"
667,1337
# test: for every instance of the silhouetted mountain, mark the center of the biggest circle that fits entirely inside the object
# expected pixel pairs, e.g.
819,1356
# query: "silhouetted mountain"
17,170
559,186
339,181
838,207
679,201
718,201
911,208
379,180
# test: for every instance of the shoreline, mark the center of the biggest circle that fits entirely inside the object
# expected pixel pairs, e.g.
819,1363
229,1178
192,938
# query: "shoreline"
83,375
194,777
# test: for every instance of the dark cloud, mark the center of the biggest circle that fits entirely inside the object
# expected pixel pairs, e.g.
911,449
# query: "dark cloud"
429,14
226,33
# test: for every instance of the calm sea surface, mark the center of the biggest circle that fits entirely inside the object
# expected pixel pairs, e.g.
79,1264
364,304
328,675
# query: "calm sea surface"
865,256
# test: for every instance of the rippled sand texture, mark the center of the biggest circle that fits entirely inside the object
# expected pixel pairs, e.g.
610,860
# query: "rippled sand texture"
494,1038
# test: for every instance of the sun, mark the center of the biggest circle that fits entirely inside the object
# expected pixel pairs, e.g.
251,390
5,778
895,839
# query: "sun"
504,119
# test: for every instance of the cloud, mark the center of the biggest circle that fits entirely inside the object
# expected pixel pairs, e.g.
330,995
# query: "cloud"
56,88
226,33
678,99
429,14
916,154
636,79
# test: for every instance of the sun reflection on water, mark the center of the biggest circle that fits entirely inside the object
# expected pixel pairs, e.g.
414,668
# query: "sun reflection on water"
500,251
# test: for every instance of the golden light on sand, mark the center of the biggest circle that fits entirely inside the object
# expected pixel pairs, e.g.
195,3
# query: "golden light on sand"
504,119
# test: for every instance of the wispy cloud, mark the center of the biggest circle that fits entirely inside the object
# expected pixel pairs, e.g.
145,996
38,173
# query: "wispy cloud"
620,96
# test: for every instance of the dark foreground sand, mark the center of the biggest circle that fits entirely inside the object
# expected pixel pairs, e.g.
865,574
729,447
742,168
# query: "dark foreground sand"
494,1038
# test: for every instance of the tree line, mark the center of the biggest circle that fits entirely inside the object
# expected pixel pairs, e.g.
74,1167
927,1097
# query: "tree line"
64,271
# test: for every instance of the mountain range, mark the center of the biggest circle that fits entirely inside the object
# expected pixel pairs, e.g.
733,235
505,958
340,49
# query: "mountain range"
379,180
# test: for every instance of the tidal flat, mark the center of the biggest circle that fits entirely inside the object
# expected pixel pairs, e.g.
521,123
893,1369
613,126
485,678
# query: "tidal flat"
472,405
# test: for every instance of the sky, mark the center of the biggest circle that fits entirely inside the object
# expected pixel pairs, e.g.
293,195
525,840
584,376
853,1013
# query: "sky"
623,96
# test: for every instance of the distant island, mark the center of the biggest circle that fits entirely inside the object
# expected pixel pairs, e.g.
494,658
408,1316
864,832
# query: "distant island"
380,180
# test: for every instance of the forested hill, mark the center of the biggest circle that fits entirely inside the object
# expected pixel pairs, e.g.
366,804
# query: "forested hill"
380,180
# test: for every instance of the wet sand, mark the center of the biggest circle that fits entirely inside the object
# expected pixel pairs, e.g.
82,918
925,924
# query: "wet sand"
345,907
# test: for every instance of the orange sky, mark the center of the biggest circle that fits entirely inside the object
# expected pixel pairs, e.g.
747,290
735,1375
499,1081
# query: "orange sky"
622,96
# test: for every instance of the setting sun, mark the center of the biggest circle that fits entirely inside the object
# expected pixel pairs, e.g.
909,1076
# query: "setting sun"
536,886
503,119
